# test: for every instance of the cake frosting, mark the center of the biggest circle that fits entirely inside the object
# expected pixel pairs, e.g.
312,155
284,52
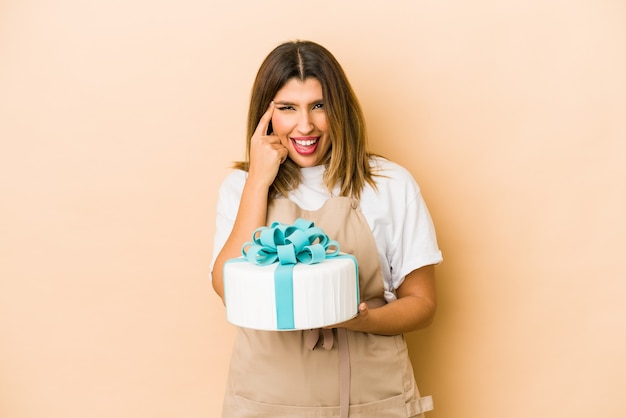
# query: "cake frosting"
291,277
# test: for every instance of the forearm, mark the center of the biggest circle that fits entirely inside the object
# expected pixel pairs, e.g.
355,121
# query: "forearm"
251,214
414,308
403,315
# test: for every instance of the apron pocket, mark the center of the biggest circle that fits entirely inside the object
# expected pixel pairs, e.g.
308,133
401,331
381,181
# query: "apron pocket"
394,407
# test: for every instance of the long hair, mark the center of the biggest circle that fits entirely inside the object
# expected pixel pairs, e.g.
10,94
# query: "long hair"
347,163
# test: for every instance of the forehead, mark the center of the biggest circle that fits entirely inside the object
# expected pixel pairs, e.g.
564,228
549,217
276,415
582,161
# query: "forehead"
296,90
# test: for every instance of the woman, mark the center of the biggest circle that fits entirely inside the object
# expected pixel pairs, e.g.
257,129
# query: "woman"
307,158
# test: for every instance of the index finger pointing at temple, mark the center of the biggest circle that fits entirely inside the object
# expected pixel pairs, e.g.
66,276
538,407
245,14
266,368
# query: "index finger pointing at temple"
264,122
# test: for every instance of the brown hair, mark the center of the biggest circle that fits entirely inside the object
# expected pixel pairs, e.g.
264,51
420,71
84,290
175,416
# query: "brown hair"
347,164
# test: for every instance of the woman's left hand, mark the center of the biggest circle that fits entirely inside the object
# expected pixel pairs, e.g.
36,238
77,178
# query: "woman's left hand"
413,309
356,323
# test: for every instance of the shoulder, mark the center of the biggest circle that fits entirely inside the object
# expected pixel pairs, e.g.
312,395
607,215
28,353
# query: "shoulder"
390,176
233,183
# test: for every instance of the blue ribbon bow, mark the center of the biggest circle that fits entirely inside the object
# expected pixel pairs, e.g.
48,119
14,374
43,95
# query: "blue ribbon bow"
301,242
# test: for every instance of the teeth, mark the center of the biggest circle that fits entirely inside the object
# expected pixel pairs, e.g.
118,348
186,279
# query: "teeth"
305,143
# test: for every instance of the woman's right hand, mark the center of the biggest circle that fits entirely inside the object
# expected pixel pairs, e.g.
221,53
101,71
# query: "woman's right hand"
266,156
266,152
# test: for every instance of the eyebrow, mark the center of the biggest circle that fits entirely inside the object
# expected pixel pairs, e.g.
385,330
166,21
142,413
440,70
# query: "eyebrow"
286,102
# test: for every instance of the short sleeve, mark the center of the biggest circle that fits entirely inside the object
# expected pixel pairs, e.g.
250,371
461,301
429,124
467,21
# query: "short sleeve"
401,224
414,238
228,199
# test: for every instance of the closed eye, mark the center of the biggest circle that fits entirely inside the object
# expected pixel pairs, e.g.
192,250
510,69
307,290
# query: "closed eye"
285,107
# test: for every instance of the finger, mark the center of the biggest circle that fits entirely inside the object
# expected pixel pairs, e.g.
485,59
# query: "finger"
264,122
284,156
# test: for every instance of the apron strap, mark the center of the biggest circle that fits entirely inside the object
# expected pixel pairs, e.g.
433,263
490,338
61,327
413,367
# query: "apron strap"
319,337
344,372
323,337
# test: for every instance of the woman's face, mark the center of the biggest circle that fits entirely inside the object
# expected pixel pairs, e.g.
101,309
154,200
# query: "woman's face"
299,120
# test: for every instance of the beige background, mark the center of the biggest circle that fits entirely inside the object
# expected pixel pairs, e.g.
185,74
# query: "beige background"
119,119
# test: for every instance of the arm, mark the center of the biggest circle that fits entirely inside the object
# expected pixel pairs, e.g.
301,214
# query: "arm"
414,308
266,155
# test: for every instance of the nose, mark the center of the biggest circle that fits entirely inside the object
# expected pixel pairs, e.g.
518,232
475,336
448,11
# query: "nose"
305,122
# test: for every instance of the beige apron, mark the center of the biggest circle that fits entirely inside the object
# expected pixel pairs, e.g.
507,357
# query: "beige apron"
281,374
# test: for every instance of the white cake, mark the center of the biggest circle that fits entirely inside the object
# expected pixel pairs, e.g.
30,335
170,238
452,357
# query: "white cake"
323,294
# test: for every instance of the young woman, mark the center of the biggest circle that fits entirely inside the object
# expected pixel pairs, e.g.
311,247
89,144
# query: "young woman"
307,158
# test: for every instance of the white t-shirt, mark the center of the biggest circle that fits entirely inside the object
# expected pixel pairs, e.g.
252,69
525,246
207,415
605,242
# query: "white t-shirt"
395,212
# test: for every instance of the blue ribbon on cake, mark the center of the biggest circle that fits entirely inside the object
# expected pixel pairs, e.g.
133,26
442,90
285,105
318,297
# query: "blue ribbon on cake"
288,245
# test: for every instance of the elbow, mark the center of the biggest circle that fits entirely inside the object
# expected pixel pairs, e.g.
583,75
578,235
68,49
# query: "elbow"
430,315
218,285
426,315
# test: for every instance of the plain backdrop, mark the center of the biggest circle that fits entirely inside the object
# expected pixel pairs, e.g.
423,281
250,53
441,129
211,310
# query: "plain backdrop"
119,119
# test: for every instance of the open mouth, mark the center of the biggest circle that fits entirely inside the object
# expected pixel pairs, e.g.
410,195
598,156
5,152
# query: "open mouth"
305,145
